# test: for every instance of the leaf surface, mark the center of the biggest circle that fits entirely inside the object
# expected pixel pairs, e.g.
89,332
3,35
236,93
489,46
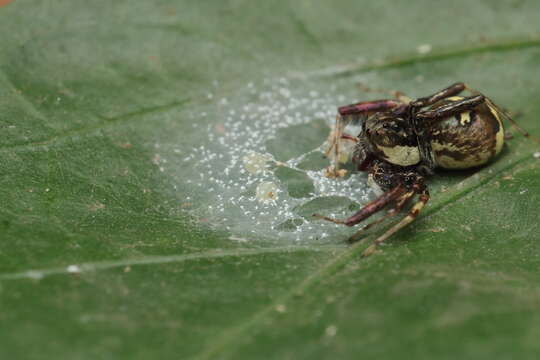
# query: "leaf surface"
131,226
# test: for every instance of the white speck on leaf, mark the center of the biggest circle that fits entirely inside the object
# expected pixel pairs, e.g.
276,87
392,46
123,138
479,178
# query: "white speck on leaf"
73,269
331,331
424,49
156,159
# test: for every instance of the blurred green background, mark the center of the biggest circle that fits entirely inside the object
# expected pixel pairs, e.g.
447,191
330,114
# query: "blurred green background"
102,256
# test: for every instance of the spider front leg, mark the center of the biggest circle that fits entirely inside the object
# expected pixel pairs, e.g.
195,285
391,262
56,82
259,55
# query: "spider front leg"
346,115
409,218
368,107
399,203
370,208
333,151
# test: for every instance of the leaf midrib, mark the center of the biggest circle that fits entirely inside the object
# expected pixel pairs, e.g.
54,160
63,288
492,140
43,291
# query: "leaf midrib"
159,260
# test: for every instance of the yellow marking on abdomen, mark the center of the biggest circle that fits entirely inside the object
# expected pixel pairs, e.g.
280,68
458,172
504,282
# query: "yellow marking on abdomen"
465,117
499,137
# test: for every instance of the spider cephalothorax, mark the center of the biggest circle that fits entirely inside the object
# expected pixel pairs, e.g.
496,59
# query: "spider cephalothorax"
404,140
389,137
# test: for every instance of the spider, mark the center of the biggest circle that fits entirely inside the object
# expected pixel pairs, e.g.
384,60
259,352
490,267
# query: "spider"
403,141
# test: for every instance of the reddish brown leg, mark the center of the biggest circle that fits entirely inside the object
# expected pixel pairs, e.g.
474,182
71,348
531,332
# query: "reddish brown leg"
452,108
349,137
397,208
335,151
366,107
369,209
411,216
452,90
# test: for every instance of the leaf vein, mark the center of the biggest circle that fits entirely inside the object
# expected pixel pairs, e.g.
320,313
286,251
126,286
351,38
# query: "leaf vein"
394,62
153,260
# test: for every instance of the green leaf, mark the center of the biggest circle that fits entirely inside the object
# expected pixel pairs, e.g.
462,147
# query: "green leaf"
160,161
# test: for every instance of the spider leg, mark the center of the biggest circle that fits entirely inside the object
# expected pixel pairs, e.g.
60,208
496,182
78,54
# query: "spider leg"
334,149
334,152
366,107
369,209
452,90
453,108
394,211
411,216
335,136
349,137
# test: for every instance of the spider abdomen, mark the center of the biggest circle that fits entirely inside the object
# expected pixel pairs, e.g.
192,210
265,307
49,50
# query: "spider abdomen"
469,139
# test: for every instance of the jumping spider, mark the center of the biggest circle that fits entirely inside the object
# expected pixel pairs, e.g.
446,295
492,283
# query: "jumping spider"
402,141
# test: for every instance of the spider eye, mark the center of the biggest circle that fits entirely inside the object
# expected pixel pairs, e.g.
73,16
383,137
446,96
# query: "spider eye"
391,126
